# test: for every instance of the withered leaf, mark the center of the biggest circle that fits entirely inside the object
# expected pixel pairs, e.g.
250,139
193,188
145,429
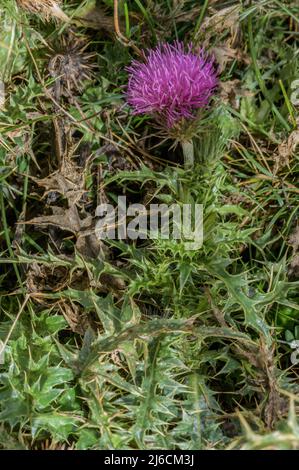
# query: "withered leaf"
68,181
65,219
231,91
285,151
75,316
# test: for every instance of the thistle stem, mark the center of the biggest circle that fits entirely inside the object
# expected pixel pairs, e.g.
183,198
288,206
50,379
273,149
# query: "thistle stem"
188,151
125,41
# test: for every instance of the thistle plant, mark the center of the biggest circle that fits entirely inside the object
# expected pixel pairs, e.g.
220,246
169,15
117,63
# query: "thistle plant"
173,85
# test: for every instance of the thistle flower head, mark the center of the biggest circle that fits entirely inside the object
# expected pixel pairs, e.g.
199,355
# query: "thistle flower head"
172,83
71,64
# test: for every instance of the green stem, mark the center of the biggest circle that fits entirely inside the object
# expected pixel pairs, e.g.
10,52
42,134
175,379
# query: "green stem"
188,151
200,18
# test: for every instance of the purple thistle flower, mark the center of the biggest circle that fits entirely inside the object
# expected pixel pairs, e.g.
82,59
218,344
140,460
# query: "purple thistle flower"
172,83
